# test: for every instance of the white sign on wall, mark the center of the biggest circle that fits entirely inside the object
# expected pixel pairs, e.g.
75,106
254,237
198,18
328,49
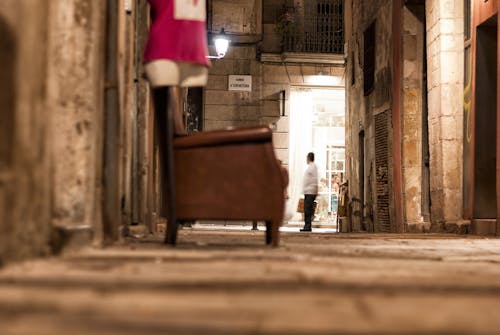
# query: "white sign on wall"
240,83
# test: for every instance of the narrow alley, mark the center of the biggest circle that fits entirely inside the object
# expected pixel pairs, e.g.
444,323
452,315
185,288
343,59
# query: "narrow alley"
282,167
226,282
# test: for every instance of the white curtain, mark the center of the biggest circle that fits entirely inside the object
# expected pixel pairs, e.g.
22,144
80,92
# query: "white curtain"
301,141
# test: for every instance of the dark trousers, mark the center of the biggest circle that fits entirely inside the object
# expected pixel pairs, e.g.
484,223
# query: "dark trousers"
308,209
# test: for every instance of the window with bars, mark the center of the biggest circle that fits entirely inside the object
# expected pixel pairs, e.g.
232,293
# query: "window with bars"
320,29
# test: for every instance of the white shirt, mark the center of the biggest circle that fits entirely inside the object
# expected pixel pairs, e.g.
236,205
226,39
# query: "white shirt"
311,179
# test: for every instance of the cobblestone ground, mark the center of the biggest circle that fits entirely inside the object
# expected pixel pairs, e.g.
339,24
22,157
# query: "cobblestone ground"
228,282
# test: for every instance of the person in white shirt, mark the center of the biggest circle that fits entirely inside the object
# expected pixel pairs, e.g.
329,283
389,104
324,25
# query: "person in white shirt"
310,191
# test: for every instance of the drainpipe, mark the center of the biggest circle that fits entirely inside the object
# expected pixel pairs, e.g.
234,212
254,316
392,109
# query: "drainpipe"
111,197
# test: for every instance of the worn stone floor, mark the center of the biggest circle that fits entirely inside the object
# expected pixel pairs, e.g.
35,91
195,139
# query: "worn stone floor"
228,282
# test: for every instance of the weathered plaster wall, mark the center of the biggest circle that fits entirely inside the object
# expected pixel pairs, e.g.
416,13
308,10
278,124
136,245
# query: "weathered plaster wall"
362,110
444,20
75,99
412,114
445,87
24,162
143,125
128,60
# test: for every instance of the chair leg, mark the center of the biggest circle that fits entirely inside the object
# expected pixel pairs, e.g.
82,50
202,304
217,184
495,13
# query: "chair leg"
255,225
273,233
269,237
164,126
171,237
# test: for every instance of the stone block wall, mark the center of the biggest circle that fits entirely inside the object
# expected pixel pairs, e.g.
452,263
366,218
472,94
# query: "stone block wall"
261,106
224,108
445,87
415,174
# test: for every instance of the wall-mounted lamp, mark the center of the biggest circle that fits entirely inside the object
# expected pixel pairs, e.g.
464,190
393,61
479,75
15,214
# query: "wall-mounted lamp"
221,42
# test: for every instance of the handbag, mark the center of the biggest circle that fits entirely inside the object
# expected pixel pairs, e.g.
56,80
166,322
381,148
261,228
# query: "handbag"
300,206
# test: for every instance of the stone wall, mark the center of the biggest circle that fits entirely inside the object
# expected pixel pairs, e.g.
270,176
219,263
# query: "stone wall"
415,172
53,88
363,110
75,90
224,108
445,87
271,83
444,35
25,128
143,136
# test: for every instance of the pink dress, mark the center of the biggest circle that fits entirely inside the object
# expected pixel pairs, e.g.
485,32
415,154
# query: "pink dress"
177,32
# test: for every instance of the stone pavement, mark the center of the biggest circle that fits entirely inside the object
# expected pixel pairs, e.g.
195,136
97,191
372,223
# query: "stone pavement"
228,282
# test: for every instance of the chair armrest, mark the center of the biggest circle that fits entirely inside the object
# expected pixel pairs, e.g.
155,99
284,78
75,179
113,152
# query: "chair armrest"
224,137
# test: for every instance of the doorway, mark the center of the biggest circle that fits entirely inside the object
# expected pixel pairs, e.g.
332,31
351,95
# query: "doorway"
358,209
193,110
317,124
485,121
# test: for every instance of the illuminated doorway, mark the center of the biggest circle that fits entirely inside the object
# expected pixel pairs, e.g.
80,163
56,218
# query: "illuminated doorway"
317,124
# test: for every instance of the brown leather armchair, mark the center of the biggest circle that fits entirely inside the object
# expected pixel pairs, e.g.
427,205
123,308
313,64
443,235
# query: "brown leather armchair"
230,175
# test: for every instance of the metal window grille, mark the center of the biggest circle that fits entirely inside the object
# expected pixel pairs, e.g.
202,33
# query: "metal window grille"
383,219
319,28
